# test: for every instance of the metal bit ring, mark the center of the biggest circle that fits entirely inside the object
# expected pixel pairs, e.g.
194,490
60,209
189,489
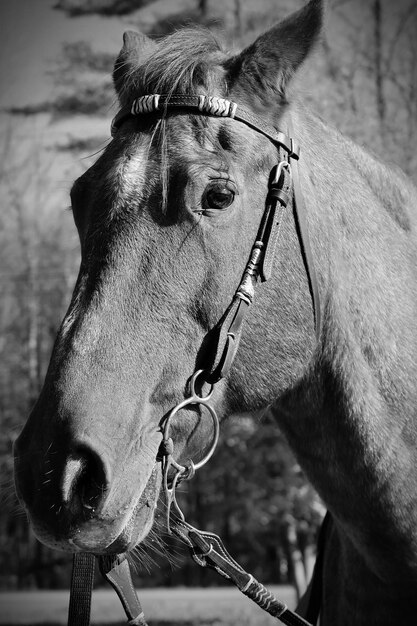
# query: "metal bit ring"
199,400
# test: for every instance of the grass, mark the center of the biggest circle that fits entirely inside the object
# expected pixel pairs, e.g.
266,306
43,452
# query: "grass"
224,606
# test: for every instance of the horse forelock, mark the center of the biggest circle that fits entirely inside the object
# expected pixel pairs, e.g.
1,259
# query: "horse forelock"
190,61
187,61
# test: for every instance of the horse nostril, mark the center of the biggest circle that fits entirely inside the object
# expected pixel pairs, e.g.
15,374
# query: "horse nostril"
84,482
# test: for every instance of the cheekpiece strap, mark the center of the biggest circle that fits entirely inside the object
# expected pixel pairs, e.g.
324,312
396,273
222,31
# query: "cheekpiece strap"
206,105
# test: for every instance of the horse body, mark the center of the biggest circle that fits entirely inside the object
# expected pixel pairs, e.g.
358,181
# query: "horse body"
352,419
167,218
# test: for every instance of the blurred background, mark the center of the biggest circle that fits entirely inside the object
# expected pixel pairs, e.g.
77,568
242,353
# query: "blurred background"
56,103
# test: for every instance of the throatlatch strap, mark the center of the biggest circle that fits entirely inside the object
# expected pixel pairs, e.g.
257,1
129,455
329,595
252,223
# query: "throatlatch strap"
82,581
301,215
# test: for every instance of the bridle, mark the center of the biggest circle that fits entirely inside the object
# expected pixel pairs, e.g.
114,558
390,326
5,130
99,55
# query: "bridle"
206,548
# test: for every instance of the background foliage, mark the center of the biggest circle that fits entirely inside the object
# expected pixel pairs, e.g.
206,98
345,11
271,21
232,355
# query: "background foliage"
362,79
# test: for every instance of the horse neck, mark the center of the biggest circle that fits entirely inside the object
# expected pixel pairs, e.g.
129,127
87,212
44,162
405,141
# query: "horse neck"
352,420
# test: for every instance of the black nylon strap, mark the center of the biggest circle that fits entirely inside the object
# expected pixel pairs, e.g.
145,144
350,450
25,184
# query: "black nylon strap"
115,569
82,580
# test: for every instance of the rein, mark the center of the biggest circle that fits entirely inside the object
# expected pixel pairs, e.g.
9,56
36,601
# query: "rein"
207,548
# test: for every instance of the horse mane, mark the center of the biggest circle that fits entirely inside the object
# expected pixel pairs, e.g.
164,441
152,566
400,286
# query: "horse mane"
393,189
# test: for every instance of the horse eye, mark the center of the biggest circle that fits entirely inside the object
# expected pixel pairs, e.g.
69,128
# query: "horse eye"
217,196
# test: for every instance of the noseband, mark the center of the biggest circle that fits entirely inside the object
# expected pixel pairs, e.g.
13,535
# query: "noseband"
283,186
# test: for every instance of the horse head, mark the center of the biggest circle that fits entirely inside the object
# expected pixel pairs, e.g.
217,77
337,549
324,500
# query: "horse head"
166,217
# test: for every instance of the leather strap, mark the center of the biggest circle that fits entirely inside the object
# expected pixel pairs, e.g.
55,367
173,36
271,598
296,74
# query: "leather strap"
301,216
208,550
227,338
226,335
115,569
279,194
316,588
82,579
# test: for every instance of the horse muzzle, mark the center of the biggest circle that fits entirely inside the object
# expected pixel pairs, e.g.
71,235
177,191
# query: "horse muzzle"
76,502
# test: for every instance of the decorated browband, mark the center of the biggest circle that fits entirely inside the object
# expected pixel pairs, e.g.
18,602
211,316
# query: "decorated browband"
205,105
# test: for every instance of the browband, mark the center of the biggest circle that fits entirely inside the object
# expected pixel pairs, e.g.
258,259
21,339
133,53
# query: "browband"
207,105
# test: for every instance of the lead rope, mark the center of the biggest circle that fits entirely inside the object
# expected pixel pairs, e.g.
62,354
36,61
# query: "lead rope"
207,550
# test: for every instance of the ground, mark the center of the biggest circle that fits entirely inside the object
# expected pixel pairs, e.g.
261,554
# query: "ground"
224,606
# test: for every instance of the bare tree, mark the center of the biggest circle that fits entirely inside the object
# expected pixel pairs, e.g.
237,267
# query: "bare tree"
238,18
34,271
378,61
203,7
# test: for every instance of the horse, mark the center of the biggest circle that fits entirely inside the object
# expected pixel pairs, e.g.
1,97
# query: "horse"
167,217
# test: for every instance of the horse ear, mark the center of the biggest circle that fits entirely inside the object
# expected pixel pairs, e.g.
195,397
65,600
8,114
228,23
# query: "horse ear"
268,64
136,47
